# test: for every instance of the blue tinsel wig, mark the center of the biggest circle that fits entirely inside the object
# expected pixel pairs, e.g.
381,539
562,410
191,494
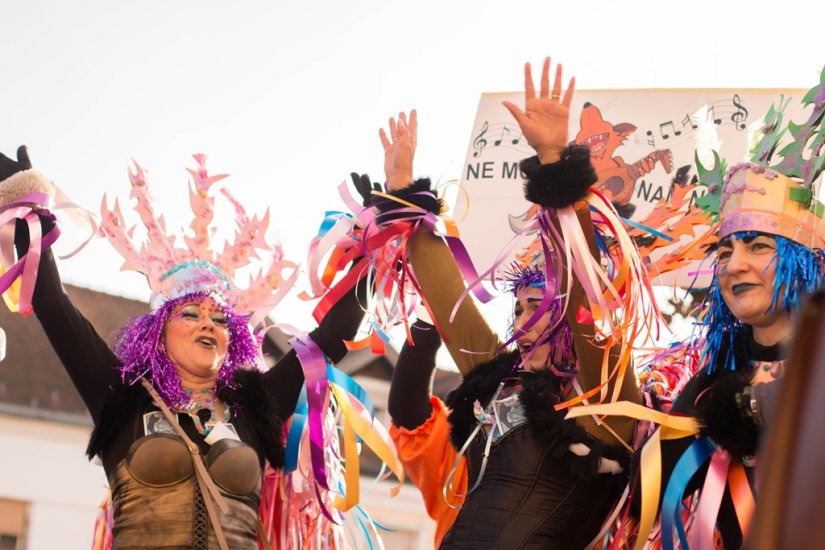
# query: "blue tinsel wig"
799,272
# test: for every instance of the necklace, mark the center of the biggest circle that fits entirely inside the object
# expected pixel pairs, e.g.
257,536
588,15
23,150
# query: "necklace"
202,409
775,368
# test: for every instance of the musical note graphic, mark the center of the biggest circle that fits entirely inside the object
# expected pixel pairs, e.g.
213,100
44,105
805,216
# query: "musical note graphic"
687,121
712,114
480,142
664,125
518,139
504,129
741,114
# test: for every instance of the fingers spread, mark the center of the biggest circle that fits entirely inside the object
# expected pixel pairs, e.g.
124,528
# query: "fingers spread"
568,95
545,78
384,140
402,133
393,129
529,89
413,126
557,82
514,110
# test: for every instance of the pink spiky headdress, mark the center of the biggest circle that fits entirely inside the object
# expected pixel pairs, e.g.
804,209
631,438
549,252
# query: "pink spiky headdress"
174,271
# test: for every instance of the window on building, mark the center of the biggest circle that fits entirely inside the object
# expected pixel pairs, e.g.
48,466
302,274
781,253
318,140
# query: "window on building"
13,524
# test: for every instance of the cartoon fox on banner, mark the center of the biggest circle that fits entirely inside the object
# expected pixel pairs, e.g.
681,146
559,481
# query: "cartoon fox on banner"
617,179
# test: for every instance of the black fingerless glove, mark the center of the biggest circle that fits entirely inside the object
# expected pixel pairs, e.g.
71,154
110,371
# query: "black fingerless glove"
365,187
561,183
724,416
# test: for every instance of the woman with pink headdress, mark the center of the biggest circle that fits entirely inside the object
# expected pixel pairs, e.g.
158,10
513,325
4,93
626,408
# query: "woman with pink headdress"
184,419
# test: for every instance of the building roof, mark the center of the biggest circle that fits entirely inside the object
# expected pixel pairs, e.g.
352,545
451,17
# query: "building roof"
32,379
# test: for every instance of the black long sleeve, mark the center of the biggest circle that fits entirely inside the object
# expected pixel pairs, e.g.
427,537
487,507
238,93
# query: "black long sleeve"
90,363
409,399
285,379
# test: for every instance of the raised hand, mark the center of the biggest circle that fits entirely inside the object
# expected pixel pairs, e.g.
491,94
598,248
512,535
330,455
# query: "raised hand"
545,118
9,167
399,150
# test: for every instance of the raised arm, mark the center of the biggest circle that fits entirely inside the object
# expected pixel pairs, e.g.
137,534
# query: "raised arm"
285,379
409,400
560,176
433,264
86,357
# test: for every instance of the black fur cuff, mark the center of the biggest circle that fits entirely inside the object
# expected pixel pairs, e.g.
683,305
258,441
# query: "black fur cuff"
419,193
557,434
561,183
724,420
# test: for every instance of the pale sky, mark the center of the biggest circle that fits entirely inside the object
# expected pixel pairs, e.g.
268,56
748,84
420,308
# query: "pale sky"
288,97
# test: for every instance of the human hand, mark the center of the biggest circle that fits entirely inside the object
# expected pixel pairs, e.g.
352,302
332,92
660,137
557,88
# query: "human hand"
9,167
545,118
399,150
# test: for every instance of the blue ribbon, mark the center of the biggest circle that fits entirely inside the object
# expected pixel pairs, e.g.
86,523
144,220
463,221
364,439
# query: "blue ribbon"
690,461
299,416
293,440
647,229
331,217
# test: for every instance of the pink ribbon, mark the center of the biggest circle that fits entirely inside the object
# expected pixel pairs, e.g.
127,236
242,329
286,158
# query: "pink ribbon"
712,492
27,266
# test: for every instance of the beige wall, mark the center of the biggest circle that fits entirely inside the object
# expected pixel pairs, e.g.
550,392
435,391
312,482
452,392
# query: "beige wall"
43,463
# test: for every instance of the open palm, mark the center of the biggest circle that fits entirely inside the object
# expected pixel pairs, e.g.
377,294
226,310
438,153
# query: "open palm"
546,117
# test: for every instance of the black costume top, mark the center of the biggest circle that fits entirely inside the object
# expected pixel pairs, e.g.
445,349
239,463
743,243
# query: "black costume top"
154,492
715,400
535,492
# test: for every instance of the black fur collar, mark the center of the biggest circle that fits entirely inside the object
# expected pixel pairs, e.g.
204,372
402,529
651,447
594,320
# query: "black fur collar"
479,384
539,393
246,396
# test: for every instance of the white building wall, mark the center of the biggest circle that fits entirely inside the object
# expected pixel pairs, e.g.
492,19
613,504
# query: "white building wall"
43,463
404,514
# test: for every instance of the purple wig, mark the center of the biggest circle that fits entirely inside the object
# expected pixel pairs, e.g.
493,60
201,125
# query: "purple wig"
142,351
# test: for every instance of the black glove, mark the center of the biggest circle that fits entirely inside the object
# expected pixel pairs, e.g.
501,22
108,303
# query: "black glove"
9,167
364,187
722,417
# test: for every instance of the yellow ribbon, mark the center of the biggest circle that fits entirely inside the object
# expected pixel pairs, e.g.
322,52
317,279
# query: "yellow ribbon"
356,425
671,427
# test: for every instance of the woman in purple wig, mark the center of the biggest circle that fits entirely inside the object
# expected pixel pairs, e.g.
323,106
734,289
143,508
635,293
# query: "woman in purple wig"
184,421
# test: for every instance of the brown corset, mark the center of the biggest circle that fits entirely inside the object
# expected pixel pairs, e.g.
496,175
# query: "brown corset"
157,503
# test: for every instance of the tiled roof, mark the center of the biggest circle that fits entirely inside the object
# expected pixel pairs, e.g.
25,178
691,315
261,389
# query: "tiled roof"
32,379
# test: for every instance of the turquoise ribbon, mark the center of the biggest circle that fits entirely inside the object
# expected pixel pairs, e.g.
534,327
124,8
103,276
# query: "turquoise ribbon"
299,416
690,461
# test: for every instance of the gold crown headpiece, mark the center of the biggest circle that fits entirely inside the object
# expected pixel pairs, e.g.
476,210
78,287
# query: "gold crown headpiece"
774,197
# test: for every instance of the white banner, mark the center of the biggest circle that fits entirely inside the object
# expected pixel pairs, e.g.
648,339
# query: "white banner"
641,142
